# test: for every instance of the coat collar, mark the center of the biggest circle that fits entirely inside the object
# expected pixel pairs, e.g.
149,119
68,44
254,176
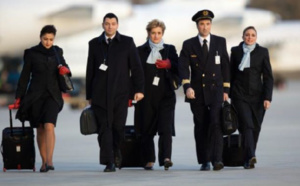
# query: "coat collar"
117,37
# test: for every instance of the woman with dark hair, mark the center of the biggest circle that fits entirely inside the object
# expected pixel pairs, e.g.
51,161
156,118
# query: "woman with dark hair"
38,95
251,89
155,113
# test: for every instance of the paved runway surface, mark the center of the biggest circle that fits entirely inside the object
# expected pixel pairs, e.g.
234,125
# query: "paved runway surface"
76,156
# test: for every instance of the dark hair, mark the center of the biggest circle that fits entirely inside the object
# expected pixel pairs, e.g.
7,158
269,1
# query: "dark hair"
248,28
48,29
110,15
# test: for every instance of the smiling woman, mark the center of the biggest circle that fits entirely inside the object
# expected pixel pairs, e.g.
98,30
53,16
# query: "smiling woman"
251,89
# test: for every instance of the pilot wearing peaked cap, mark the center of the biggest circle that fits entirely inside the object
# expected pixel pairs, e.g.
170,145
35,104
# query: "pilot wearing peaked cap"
203,14
204,69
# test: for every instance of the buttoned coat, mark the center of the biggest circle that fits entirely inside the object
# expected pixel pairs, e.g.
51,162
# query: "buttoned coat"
113,85
255,83
151,97
39,74
207,77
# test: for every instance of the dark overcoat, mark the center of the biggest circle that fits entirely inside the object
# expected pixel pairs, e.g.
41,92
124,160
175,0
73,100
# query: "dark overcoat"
155,96
254,84
208,78
112,86
39,75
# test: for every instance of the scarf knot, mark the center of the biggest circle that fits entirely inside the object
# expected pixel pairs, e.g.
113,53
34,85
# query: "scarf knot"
245,63
154,54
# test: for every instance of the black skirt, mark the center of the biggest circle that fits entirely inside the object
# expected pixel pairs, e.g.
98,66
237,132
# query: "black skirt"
44,110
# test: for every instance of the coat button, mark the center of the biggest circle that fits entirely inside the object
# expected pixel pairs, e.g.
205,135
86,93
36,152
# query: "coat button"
203,75
203,85
214,74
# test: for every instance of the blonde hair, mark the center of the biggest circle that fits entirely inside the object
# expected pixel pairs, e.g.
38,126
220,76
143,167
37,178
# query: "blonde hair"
155,23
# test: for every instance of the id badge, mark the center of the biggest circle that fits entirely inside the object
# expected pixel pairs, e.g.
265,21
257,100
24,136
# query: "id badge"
103,67
155,81
217,59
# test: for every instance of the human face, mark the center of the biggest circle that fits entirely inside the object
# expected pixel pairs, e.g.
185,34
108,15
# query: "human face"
156,34
250,37
110,26
47,40
204,27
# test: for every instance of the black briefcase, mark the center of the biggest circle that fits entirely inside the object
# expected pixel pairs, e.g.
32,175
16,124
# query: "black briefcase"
233,152
131,149
88,124
229,118
17,145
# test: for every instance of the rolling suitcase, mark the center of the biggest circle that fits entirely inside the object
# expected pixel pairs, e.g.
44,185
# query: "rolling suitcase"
233,152
17,147
131,149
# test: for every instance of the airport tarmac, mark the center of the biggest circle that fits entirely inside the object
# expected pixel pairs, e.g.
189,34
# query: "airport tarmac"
76,157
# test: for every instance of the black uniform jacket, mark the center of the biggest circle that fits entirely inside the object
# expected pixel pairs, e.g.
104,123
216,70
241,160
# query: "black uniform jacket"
254,84
39,74
113,85
168,52
209,79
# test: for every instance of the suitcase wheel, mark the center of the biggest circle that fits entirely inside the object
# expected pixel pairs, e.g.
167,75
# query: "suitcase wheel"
4,169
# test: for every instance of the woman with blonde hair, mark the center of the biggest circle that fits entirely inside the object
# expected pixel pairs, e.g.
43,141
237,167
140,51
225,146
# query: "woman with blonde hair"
155,113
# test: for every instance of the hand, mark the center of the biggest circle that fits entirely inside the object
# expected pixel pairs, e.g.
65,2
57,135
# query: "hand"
190,93
63,70
163,64
138,96
267,104
130,103
225,97
16,104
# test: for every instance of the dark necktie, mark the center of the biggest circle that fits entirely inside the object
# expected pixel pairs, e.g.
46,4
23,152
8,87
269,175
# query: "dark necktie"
204,49
109,41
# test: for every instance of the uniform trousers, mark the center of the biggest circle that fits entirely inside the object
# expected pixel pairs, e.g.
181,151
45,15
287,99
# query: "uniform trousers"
250,119
110,136
207,132
164,116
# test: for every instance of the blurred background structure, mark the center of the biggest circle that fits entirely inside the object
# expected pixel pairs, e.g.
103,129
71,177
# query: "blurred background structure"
78,21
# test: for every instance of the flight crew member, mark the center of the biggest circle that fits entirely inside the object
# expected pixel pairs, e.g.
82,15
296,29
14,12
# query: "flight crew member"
156,112
252,88
206,55
112,58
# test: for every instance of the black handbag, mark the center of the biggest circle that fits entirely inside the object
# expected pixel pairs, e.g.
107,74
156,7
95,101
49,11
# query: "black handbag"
88,124
229,118
64,81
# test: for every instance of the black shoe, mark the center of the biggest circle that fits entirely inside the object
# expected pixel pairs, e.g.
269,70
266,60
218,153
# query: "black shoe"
44,169
246,165
205,166
110,167
50,167
118,158
167,164
218,165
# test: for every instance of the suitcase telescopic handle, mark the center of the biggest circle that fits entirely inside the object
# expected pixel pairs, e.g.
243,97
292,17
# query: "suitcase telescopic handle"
10,107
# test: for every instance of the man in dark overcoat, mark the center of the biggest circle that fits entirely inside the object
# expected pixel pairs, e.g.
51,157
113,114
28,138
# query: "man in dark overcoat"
206,60
112,62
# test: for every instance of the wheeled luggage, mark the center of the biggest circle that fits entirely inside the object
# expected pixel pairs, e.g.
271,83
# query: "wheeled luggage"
131,149
233,152
17,147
